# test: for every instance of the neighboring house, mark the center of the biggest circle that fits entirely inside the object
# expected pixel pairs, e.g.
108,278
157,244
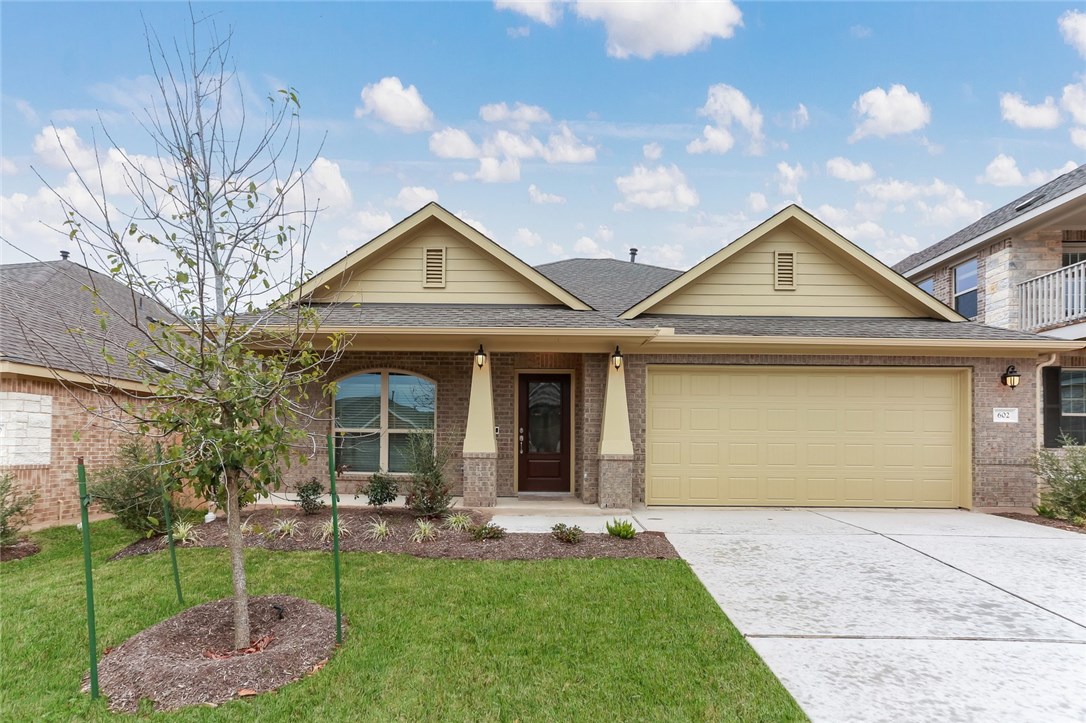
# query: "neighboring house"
58,394
1023,267
788,368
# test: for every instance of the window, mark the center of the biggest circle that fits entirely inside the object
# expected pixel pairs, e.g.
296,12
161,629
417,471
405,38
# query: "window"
927,285
1064,405
965,289
375,413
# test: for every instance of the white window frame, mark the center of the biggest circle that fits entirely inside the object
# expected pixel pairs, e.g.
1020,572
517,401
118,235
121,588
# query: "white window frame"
383,430
962,292
924,281
1063,413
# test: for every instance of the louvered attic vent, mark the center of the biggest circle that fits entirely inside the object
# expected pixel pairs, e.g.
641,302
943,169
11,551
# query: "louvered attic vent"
784,270
433,268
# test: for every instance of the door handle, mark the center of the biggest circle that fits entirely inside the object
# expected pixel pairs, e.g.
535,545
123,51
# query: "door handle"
522,440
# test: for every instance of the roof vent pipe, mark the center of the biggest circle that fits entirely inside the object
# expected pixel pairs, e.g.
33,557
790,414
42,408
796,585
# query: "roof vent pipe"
63,255
633,256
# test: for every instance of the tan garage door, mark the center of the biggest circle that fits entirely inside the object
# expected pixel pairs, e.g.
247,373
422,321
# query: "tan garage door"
808,436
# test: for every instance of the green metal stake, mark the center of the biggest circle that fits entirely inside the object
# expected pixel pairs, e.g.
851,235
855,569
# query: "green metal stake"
169,526
335,534
84,503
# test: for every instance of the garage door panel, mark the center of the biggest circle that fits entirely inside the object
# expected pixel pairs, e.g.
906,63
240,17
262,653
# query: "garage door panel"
857,436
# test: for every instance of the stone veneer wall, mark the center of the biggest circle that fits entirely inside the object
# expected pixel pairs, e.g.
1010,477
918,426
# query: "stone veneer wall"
1002,472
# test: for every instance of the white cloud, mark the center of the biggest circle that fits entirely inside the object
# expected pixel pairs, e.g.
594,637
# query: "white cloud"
832,215
800,118
1003,171
1078,137
388,100
565,147
652,151
1073,28
525,237
412,198
757,202
520,31
672,256
789,177
540,197
557,251
364,225
587,247
663,187
519,116
497,170
728,106
477,225
26,111
548,12
1073,101
1018,112
63,148
647,29
846,170
453,143
938,202
886,113
605,234
322,187
885,245
860,32
8,167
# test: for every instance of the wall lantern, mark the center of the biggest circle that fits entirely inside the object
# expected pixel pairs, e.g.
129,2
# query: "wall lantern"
1011,377
616,358
480,357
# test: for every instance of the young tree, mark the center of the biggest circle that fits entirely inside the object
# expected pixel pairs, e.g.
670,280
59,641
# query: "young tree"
215,227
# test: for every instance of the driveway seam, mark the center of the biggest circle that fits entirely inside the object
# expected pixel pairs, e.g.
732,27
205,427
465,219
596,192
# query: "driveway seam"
958,569
967,638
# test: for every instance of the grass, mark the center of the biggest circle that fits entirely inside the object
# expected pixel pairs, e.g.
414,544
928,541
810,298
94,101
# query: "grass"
428,639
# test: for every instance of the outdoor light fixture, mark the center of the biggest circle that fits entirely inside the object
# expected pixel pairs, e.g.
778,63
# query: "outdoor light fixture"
480,357
1011,377
616,358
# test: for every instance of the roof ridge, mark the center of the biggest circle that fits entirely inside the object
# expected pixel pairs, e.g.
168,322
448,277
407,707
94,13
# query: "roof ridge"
617,261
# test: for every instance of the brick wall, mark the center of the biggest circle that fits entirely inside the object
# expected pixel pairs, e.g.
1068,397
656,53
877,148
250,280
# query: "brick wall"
1002,473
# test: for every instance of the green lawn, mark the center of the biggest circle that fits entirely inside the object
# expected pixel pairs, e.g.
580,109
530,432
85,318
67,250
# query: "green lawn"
556,640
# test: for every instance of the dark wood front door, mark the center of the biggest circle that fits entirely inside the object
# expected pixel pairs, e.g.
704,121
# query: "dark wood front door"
543,435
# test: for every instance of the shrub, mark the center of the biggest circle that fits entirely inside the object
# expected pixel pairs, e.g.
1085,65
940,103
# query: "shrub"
378,529
309,496
1064,473
248,527
425,530
429,494
622,529
185,533
288,527
14,510
131,489
325,530
460,522
381,490
569,535
487,531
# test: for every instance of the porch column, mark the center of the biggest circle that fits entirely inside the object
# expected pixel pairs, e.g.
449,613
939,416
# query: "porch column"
480,448
616,446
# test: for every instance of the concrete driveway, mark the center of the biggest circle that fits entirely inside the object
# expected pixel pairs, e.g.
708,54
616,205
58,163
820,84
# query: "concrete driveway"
900,615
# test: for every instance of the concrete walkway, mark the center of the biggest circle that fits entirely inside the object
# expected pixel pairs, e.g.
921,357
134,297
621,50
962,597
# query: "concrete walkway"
900,615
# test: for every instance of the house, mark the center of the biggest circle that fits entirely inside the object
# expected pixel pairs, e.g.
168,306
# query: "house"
1023,267
788,368
59,396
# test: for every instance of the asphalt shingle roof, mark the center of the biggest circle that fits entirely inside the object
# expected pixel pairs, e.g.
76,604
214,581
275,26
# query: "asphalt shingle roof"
1053,189
461,316
607,284
44,305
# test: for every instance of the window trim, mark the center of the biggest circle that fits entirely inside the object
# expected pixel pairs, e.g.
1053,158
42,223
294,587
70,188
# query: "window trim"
956,292
382,430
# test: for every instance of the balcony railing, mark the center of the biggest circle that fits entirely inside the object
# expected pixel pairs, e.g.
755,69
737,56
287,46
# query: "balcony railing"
1054,299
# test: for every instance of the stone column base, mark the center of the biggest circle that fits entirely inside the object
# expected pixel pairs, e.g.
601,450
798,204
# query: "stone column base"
480,479
616,481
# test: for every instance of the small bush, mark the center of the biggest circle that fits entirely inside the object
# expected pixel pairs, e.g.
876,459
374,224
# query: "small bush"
487,531
429,494
569,535
425,530
460,522
131,490
14,510
378,529
1063,495
325,530
622,529
381,490
309,496
185,533
248,527
288,527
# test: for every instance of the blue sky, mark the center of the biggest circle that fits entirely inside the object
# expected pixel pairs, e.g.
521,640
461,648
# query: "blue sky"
582,129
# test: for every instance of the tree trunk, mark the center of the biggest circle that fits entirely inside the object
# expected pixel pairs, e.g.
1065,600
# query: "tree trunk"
237,562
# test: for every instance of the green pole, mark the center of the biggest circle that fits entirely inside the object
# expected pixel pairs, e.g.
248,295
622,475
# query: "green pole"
169,526
84,503
335,534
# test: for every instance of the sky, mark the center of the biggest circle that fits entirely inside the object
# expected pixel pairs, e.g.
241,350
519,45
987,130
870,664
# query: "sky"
583,129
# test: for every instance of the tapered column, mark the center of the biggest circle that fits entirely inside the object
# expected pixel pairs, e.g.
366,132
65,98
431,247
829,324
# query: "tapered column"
616,444
480,448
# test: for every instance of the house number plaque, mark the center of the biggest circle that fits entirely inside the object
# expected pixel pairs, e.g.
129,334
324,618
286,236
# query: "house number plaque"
1007,415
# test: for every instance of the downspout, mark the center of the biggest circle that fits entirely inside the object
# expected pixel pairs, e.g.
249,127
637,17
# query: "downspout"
1039,403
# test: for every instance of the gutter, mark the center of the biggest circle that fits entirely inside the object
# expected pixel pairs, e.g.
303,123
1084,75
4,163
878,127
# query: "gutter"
1040,399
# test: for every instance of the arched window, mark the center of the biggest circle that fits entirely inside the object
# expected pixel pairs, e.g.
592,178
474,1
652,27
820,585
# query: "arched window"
375,413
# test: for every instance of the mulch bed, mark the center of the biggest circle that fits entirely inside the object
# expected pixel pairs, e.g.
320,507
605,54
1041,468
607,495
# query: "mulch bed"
1046,521
181,661
22,548
449,544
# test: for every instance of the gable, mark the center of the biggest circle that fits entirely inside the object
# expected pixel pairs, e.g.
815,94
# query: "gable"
792,265
434,258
